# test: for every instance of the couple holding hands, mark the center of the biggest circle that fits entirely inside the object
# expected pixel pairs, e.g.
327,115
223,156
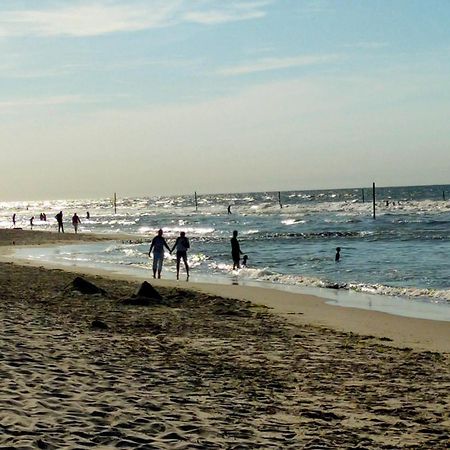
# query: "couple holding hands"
158,244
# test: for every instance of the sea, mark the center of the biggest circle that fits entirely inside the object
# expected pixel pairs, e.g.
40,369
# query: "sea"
400,257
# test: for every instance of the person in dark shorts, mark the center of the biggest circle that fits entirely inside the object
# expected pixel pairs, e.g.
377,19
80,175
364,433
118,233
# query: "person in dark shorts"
157,245
235,251
75,222
182,245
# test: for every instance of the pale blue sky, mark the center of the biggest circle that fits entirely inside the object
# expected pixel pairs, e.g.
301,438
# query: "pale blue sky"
171,96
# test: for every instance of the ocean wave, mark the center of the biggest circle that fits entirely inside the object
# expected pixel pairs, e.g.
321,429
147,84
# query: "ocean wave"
436,295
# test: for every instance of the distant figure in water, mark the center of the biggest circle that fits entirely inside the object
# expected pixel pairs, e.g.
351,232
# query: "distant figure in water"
14,220
338,254
44,216
235,251
75,222
244,261
157,245
31,222
88,216
229,209
59,219
182,245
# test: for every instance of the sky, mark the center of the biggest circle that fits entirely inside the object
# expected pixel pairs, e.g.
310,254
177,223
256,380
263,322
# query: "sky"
164,97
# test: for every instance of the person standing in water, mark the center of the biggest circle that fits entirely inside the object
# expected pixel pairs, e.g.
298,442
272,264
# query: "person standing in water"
182,246
338,254
235,251
75,222
157,245
14,220
59,219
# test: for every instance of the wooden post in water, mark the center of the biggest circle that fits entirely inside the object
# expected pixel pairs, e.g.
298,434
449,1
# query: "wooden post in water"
196,203
279,199
115,203
373,199
362,190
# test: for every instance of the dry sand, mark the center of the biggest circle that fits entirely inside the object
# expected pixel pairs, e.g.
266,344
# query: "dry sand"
202,371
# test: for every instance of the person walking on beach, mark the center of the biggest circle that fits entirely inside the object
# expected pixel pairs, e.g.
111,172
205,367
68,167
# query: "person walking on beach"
235,251
182,246
75,222
59,219
31,222
157,245
14,220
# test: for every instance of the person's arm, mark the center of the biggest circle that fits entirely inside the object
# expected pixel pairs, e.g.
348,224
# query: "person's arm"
168,248
151,248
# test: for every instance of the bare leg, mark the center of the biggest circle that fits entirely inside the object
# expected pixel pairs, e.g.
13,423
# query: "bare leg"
186,265
178,268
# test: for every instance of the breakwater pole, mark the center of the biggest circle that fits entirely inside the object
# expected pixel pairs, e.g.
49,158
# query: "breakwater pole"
115,203
362,192
196,203
279,199
373,200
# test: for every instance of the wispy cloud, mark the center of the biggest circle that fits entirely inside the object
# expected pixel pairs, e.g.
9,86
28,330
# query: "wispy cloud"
268,64
61,100
83,18
228,12
367,45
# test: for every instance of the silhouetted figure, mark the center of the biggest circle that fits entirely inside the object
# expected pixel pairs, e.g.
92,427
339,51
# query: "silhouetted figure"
229,209
75,222
235,251
59,219
88,216
387,203
44,216
182,245
31,222
41,217
338,254
157,245
14,220
244,261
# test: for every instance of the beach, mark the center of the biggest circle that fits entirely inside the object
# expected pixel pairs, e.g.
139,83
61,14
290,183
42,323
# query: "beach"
210,367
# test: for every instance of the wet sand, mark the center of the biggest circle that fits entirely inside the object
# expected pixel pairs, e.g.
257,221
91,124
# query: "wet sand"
203,371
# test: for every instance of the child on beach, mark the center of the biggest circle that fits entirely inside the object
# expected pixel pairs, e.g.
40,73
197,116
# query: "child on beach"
244,261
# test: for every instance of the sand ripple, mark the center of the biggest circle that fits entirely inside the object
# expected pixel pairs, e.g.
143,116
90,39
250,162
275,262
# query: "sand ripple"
201,373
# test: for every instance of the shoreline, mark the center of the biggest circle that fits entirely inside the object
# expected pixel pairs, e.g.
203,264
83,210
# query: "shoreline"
198,369
297,308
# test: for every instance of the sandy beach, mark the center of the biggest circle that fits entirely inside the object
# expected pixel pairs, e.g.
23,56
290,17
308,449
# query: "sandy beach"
210,367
